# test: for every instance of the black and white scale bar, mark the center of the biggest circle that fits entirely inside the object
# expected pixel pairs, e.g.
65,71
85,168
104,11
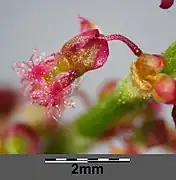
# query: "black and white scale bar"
86,160
110,160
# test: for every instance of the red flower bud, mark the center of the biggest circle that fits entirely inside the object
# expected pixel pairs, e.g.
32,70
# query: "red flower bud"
164,89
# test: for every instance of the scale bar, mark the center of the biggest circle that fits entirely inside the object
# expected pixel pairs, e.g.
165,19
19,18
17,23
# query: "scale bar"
64,162
86,160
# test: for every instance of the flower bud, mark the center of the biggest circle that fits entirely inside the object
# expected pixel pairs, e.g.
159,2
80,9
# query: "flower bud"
150,64
164,89
144,70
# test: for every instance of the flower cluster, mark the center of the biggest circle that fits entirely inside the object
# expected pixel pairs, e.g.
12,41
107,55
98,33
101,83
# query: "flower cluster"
50,81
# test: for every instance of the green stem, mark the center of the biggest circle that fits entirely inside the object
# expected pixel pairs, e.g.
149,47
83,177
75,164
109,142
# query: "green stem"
84,131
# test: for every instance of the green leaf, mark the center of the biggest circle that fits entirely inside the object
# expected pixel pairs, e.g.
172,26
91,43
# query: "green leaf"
170,55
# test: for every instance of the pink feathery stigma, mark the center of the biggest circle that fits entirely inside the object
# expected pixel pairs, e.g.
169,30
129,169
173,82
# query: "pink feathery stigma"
54,94
136,50
31,73
166,4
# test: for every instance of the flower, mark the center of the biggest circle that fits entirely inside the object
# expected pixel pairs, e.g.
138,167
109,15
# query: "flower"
165,90
165,4
50,81
89,51
146,75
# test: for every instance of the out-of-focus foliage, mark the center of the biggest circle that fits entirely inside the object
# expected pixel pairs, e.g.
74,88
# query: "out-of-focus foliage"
26,128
